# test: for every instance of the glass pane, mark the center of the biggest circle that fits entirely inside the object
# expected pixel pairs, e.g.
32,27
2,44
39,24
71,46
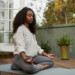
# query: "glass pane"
12,13
1,26
3,3
10,3
10,37
1,37
10,26
4,14
1,14
10,33
6,37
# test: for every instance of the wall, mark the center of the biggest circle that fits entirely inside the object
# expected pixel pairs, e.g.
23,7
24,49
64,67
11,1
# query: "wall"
52,33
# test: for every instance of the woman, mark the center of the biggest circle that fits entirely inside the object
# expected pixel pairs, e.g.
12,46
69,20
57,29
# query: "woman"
28,56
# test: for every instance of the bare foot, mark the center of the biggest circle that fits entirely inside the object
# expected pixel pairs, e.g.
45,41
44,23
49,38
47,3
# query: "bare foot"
43,66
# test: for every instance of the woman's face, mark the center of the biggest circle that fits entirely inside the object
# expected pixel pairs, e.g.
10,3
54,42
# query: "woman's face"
29,17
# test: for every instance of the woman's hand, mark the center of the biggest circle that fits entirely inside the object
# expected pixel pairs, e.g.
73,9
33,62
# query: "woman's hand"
51,56
48,55
29,60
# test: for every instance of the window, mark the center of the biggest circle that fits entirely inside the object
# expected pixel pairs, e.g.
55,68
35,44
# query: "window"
7,13
8,10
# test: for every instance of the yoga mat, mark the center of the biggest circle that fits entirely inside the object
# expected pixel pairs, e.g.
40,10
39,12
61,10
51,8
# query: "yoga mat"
50,71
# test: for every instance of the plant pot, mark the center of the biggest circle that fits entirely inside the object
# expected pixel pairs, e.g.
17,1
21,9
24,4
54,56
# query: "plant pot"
64,52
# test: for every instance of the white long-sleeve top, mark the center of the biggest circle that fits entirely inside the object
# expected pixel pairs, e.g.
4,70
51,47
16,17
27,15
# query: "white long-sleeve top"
26,41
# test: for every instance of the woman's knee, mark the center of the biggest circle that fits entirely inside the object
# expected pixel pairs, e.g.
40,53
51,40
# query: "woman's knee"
29,69
33,69
14,67
51,63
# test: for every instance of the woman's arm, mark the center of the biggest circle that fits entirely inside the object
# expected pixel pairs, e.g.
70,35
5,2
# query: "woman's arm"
41,51
44,54
23,55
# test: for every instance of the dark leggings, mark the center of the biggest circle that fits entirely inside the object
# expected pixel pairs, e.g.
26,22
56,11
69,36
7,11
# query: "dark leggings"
19,63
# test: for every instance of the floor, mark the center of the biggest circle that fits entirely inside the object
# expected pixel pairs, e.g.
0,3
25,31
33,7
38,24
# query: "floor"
68,64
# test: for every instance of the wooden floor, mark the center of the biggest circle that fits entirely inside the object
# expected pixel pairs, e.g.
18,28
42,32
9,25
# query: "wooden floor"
68,64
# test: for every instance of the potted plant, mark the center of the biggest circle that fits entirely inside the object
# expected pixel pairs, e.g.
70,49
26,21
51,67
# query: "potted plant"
46,47
64,43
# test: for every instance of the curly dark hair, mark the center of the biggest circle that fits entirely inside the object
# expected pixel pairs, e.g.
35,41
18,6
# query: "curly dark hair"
20,19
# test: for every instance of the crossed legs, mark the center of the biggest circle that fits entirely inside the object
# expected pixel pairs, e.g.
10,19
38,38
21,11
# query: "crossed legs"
41,62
